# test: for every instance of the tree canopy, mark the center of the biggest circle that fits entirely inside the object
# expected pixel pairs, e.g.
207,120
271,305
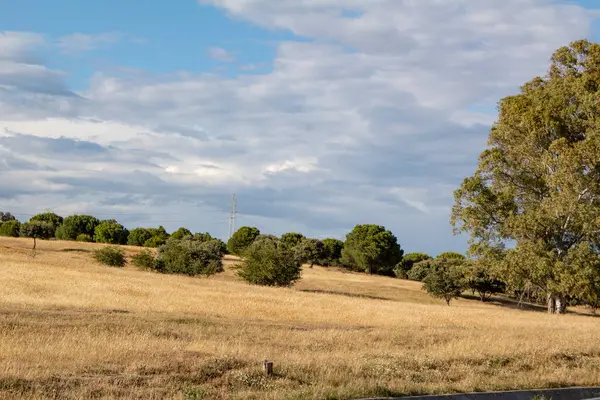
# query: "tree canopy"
242,239
535,197
371,249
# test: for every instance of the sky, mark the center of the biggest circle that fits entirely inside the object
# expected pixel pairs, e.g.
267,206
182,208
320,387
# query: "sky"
318,114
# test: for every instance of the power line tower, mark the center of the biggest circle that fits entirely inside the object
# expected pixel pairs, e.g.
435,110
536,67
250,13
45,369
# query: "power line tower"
232,214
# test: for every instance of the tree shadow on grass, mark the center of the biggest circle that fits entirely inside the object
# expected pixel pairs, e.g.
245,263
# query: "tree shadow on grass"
362,296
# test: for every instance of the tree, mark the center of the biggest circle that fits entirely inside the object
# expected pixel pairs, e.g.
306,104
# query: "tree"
267,263
480,280
76,225
308,251
332,252
372,249
291,239
444,279
111,232
419,270
242,239
158,237
410,259
451,255
49,217
181,233
37,230
10,228
138,236
537,186
6,216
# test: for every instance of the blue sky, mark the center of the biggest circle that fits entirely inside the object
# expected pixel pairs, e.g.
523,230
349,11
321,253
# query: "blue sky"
319,115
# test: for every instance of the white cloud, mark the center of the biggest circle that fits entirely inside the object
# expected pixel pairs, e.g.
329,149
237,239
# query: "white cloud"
80,42
220,54
370,121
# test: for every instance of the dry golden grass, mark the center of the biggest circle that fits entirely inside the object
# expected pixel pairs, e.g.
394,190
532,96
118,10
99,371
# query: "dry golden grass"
72,329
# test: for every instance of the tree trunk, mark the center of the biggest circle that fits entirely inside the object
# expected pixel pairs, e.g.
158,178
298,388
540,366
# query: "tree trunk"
556,304
448,300
34,243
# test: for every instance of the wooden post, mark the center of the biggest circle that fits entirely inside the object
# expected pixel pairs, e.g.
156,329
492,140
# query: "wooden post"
268,367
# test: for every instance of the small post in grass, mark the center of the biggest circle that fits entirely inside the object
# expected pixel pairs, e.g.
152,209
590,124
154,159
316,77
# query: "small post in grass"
268,367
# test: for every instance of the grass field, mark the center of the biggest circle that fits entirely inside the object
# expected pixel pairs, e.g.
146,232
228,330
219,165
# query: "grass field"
72,329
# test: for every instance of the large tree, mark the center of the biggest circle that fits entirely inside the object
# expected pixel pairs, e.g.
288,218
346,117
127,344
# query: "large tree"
371,249
535,197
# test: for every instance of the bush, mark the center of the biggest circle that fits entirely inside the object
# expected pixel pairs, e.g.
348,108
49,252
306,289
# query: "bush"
419,271
332,252
371,249
144,260
190,257
111,232
267,263
76,225
155,241
309,251
84,237
138,236
242,239
181,233
10,228
111,256
410,259
481,281
444,279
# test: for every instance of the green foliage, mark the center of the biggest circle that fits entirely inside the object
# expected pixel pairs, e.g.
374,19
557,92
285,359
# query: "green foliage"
155,241
10,228
308,251
445,279
75,225
6,216
451,255
538,183
410,259
189,257
49,217
84,237
144,260
267,263
242,239
372,249
138,236
291,239
332,252
111,256
419,270
111,232
181,233
481,280
37,230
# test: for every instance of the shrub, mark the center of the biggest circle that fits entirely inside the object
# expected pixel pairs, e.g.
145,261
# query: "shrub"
242,239
481,281
138,236
419,270
309,251
291,240
10,228
84,237
144,260
111,232
189,257
444,279
410,259
75,225
181,233
267,263
111,256
155,241
37,230
332,252
371,249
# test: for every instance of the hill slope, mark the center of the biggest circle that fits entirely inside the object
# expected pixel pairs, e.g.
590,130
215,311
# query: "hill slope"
76,329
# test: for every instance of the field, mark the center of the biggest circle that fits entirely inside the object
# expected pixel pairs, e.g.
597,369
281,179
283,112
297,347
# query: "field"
72,329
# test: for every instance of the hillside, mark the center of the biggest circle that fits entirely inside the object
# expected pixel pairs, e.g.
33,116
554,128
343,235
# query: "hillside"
74,329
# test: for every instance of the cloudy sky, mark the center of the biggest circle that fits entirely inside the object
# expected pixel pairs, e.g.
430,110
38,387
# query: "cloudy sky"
318,114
